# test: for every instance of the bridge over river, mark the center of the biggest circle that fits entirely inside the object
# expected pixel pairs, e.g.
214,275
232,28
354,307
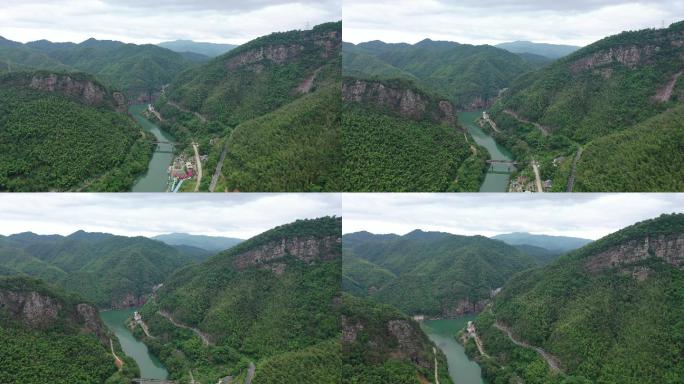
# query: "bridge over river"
154,381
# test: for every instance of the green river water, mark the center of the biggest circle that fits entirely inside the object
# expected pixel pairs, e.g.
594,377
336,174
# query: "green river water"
156,178
498,177
443,334
150,367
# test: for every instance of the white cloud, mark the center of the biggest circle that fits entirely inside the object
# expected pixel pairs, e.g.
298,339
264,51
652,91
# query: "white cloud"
133,214
582,215
234,22
496,21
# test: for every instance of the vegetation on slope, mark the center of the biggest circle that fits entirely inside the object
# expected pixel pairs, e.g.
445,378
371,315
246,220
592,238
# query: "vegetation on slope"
437,274
267,311
62,348
295,148
49,141
106,269
386,150
382,345
619,324
468,75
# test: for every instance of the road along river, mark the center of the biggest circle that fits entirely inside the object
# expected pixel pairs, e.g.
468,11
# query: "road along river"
498,175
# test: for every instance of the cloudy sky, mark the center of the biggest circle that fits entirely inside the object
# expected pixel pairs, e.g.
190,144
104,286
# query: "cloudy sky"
582,215
135,21
574,22
132,214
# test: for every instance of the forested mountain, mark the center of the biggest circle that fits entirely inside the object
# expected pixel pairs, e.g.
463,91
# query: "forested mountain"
272,300
205,49
560,244
51,336
610,312
398,137
431,273
138,70
268,112
604,118
109,270
382,345
64,132
210,243
551,51
469,76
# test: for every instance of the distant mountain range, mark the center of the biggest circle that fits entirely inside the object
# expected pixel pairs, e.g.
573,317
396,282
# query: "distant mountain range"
206,49
559,244
552,51
209,243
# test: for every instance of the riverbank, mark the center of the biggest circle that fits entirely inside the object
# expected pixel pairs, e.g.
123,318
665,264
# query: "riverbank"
156,178
498,174
150,366
443,333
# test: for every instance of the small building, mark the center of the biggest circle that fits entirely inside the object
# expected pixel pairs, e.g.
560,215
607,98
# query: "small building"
547,184
471,329
419,317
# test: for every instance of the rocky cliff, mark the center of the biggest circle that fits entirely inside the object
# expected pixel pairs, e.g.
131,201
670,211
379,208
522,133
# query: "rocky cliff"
398,98
308,249
30,304
80,87
669,248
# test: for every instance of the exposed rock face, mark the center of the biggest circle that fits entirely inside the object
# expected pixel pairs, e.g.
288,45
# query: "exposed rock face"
278,54
31,308
89,92
129,301
630,56
410,343
480,103
350,330
331,43
308,249
119,101
462,307
669,248
405,102
90,319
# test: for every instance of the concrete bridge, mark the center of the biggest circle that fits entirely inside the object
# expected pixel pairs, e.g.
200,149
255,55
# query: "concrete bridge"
510,162
154,381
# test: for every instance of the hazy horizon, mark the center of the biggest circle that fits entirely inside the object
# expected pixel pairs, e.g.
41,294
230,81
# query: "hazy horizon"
588,216
492,22
128,21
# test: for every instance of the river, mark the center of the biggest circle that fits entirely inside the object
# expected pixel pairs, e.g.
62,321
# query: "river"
150,367
156,178
498,177
443,334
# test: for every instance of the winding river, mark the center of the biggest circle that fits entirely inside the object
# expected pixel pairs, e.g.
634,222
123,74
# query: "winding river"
443,334
150,367
156,178
497,176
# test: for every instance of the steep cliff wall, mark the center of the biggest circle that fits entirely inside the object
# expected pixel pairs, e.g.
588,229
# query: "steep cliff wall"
669,248
404,101
308,249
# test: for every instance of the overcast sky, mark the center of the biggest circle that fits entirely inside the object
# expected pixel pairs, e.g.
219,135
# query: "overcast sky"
135,21
580,215
574,22
133,214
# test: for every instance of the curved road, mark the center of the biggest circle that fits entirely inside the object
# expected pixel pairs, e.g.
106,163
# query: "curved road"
535,167
551,360
573,172
117,361
199,166
202,335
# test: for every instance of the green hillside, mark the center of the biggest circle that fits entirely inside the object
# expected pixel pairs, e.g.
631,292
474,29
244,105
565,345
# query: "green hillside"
50,336
382,345
111,271
397,137
268,300
138,70
267,113
437,274
617,98
560,244
470,76
610,312
62,132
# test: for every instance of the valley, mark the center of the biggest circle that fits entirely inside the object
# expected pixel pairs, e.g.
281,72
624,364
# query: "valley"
441,332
